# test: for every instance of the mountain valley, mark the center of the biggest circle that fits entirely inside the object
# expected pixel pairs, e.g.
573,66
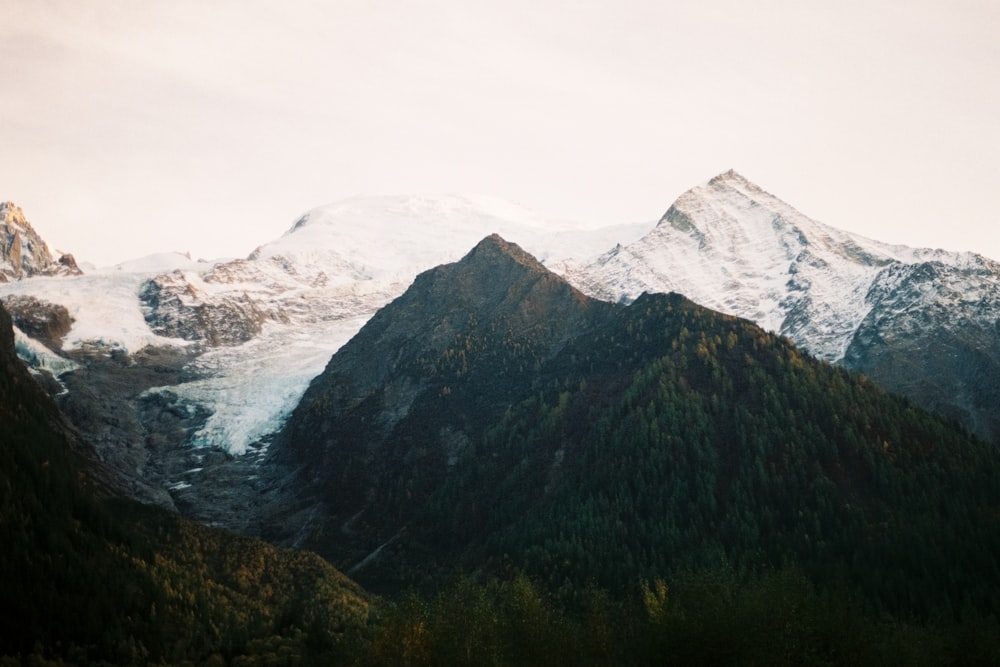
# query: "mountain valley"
413,387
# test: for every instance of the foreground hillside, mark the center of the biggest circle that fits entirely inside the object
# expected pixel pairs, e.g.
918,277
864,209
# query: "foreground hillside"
92,580
493,416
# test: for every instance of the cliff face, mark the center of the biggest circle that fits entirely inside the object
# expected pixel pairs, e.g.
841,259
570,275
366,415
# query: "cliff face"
23,253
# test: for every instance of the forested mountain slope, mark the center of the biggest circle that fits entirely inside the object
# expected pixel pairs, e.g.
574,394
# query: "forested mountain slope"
494,415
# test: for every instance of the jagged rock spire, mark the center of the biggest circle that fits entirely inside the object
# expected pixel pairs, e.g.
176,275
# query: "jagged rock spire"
23,253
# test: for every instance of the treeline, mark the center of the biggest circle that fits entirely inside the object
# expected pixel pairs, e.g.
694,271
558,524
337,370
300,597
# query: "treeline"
701,617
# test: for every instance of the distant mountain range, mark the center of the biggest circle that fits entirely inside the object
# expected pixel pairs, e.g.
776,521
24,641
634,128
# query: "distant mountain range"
411,409
222,351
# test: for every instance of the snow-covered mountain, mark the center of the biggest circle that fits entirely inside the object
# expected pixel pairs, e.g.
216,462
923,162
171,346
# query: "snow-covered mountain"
875,307
273,320
164,354
731,246
255,331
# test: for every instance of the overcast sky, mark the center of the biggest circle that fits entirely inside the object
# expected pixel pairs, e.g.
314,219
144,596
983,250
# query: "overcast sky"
128,127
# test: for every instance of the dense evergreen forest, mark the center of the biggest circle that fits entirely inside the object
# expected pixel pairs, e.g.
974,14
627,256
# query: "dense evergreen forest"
676,438
665,438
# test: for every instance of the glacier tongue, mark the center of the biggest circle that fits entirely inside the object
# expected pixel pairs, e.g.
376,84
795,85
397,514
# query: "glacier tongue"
252,388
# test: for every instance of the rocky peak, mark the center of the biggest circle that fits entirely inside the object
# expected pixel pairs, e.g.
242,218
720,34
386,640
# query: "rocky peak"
732,178
11,214
495,302
496,279
494,248
23,253
496,285
431,367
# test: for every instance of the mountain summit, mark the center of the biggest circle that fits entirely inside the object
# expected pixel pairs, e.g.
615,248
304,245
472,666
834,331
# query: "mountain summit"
419,381
448,328
887,310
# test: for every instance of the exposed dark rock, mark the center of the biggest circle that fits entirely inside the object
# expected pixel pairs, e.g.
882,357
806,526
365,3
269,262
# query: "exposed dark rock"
175,309
43,321
931,336
131,431
67,260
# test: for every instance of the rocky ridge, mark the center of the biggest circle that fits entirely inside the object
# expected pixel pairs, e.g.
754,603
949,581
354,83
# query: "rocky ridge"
23,253
493,411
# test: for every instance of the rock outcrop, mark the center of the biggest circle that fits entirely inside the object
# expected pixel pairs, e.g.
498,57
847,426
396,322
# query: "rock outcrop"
43,321
23,253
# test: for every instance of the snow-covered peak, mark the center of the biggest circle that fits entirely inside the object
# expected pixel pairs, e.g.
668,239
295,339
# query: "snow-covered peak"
732,246
388,239
730,201
729,210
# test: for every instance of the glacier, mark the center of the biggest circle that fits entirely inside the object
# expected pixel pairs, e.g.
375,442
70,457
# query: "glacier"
258,329
311,289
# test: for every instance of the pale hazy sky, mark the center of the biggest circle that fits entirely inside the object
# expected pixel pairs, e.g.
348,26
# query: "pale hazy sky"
129,127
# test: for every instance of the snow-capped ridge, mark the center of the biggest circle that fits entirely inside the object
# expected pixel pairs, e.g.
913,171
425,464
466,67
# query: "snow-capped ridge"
730,245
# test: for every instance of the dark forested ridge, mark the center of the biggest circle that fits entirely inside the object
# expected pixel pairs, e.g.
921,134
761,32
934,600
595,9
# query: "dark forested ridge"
94,580
641,441
674,437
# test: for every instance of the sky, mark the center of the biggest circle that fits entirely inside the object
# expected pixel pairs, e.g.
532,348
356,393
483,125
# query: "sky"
129,128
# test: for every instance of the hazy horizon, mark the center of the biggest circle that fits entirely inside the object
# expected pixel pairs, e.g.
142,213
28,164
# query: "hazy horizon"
209,128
